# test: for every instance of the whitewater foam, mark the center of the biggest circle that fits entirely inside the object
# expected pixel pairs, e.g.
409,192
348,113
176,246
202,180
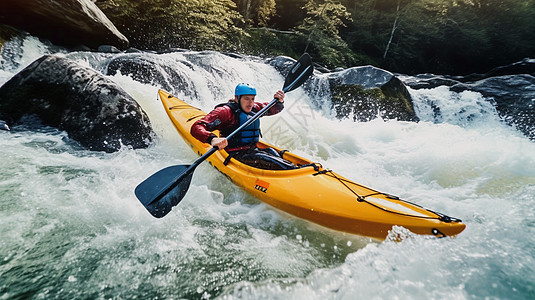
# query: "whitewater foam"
72,227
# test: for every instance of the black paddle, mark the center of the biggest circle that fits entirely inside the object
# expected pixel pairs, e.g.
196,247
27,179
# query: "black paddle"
166,188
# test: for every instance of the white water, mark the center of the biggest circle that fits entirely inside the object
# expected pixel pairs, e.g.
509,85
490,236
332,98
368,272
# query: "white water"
71,227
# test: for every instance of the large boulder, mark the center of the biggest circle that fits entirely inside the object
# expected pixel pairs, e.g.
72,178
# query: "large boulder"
92,109
146,69
64,22
361,93
366,92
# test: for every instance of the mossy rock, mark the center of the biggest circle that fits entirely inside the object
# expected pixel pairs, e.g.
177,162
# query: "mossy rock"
91,108
390,101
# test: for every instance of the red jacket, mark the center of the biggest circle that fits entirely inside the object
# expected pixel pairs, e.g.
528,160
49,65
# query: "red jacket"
223,117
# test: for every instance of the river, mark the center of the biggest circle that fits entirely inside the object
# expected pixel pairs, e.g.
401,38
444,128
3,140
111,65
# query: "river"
72,228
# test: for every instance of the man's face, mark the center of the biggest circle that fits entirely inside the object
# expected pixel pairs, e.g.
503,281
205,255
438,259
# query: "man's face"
247,102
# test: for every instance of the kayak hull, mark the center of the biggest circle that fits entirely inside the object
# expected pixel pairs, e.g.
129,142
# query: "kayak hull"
312,192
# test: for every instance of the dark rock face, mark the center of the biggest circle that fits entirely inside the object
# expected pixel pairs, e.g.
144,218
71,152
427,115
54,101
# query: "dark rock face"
429,81
525,66
141,68
3,125
92,109
282,63
514,97
361,93
364,93
148,69
65,22
511,88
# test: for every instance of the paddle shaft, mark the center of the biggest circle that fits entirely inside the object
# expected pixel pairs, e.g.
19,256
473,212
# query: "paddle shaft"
192,167
299,73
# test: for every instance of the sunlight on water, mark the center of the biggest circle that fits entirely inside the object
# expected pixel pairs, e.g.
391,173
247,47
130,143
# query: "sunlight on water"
72,227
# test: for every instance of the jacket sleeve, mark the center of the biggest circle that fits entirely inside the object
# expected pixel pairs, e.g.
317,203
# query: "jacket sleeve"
218,118
275,109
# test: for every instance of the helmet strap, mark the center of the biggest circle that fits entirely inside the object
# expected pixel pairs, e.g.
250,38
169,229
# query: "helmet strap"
237,99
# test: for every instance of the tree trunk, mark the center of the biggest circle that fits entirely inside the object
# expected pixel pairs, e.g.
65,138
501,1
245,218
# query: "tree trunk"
247,13
394,27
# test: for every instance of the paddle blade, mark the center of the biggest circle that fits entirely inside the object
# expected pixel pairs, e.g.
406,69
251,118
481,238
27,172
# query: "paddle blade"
301,70
150,189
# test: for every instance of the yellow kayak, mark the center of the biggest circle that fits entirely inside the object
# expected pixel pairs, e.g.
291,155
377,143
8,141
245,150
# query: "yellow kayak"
313,193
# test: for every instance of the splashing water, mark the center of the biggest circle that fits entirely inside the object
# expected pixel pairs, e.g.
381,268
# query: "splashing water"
71,226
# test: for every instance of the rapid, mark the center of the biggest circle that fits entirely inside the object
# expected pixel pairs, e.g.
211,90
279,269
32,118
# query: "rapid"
72,228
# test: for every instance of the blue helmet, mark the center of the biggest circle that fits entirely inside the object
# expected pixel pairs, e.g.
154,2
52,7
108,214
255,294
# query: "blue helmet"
244,89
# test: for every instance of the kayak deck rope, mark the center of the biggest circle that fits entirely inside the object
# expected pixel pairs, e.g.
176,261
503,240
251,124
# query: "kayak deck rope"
360,198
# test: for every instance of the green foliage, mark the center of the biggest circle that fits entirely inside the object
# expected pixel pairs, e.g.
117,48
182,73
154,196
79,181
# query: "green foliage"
407,36
265,11
321,24
192,24
256,12
264,41
444,36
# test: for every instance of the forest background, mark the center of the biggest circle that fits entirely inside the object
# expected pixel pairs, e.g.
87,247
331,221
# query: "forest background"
455,37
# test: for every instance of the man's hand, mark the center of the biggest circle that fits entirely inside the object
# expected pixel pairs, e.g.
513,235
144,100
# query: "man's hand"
220,143
279,96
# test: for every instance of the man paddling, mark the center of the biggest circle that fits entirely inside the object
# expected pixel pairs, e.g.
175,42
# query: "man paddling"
227,117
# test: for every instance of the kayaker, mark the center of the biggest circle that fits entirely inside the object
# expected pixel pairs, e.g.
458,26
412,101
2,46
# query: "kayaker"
227,117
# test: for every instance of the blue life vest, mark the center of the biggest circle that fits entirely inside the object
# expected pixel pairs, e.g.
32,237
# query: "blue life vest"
247,136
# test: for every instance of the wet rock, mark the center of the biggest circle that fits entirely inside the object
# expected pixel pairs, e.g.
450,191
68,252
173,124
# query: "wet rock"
92,109
514,97
427,81
133,50
510,88
365,93
361,93
64,22
3,125
525,66
149,69
108,49
144,69
282,63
